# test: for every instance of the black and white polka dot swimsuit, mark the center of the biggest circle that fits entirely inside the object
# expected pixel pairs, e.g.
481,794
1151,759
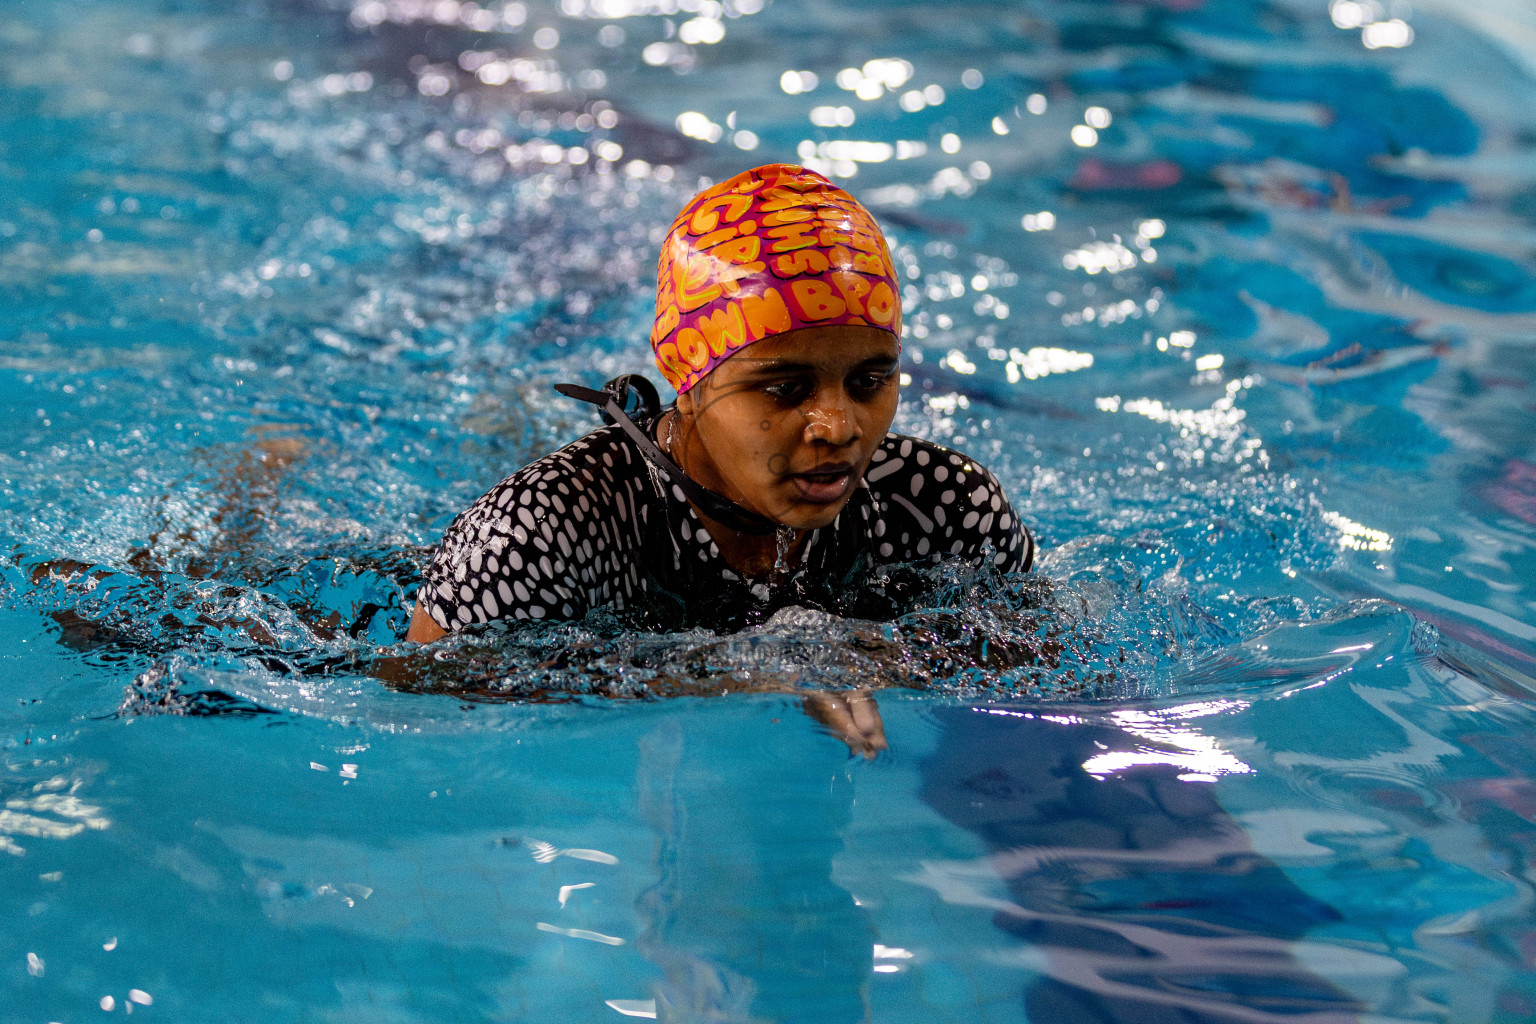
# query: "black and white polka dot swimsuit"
593,526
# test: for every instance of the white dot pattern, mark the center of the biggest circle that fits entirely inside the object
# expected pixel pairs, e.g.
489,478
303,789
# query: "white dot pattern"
589,526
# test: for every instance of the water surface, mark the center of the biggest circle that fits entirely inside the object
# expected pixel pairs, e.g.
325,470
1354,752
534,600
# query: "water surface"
1238,308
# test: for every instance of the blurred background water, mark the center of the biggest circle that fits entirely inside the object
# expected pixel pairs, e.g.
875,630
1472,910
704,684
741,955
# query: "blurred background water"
1235,297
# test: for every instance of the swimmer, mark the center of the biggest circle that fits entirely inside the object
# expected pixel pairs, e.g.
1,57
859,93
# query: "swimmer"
773,479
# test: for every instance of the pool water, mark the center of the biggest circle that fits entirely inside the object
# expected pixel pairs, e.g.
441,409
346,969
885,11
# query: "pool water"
1236,299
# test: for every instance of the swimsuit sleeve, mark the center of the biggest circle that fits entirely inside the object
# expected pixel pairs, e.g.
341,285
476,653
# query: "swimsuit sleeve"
548,542
935,503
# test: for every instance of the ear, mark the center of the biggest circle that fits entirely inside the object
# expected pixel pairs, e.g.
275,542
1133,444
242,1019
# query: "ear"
685,406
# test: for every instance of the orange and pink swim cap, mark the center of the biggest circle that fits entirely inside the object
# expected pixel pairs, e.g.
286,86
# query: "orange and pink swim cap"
771,250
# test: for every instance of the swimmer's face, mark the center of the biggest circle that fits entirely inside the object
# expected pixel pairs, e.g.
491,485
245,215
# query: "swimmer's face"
787,426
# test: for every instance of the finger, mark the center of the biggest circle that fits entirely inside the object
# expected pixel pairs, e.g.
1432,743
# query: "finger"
832,711
865,712
866,716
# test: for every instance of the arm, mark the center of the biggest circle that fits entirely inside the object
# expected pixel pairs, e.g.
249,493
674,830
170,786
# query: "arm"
999,526
550,542
423,630
852,717
939,504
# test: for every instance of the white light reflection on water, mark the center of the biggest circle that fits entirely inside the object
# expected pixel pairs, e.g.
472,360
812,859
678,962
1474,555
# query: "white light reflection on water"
580,933
876,77
544,853
1381,25
510,17
855,150
1216,434
492,18
38,816
701,30
697,126
711,10
661,53
914,100
1202,757
889,953
1219,421
957,361
828,116
1042,362
1100,256
1357,536
796,82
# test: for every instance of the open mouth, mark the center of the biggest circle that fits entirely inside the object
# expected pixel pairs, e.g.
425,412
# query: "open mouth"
825,484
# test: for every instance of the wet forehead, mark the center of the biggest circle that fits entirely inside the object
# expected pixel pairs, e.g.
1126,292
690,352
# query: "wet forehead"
826,349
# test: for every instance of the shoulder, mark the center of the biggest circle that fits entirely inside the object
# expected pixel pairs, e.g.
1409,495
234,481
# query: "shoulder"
913,467
530,545
935,502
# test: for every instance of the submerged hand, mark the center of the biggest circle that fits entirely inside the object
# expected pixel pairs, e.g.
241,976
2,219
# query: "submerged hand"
853,717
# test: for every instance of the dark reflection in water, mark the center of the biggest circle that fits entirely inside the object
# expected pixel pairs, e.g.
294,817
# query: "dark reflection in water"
744,918
1144,898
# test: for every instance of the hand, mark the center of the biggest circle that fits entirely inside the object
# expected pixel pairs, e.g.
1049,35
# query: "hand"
853,717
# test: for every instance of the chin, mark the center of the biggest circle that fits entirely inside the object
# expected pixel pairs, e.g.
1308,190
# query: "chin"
805,516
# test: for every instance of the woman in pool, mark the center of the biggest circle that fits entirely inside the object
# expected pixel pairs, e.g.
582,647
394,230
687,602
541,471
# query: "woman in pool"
773,479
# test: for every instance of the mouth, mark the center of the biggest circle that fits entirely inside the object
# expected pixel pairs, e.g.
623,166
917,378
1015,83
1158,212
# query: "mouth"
826,484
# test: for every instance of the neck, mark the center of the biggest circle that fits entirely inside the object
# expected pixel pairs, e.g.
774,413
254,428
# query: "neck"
755,556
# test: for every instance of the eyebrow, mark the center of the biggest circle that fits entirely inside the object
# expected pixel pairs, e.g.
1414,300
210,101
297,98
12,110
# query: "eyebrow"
771,366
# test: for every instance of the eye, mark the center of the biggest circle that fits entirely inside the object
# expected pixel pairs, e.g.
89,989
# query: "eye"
788,392
872,382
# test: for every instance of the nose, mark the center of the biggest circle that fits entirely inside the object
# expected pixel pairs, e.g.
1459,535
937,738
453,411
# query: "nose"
829,419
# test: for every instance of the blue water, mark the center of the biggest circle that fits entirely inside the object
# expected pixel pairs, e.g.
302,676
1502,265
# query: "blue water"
1239,309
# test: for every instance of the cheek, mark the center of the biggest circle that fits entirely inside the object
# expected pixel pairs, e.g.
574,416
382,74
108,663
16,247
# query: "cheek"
878,416
775,437
749,443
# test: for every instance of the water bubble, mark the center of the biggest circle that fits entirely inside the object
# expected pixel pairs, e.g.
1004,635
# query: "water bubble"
1425,639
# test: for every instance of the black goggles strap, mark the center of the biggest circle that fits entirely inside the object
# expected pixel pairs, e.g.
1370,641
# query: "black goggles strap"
612,399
